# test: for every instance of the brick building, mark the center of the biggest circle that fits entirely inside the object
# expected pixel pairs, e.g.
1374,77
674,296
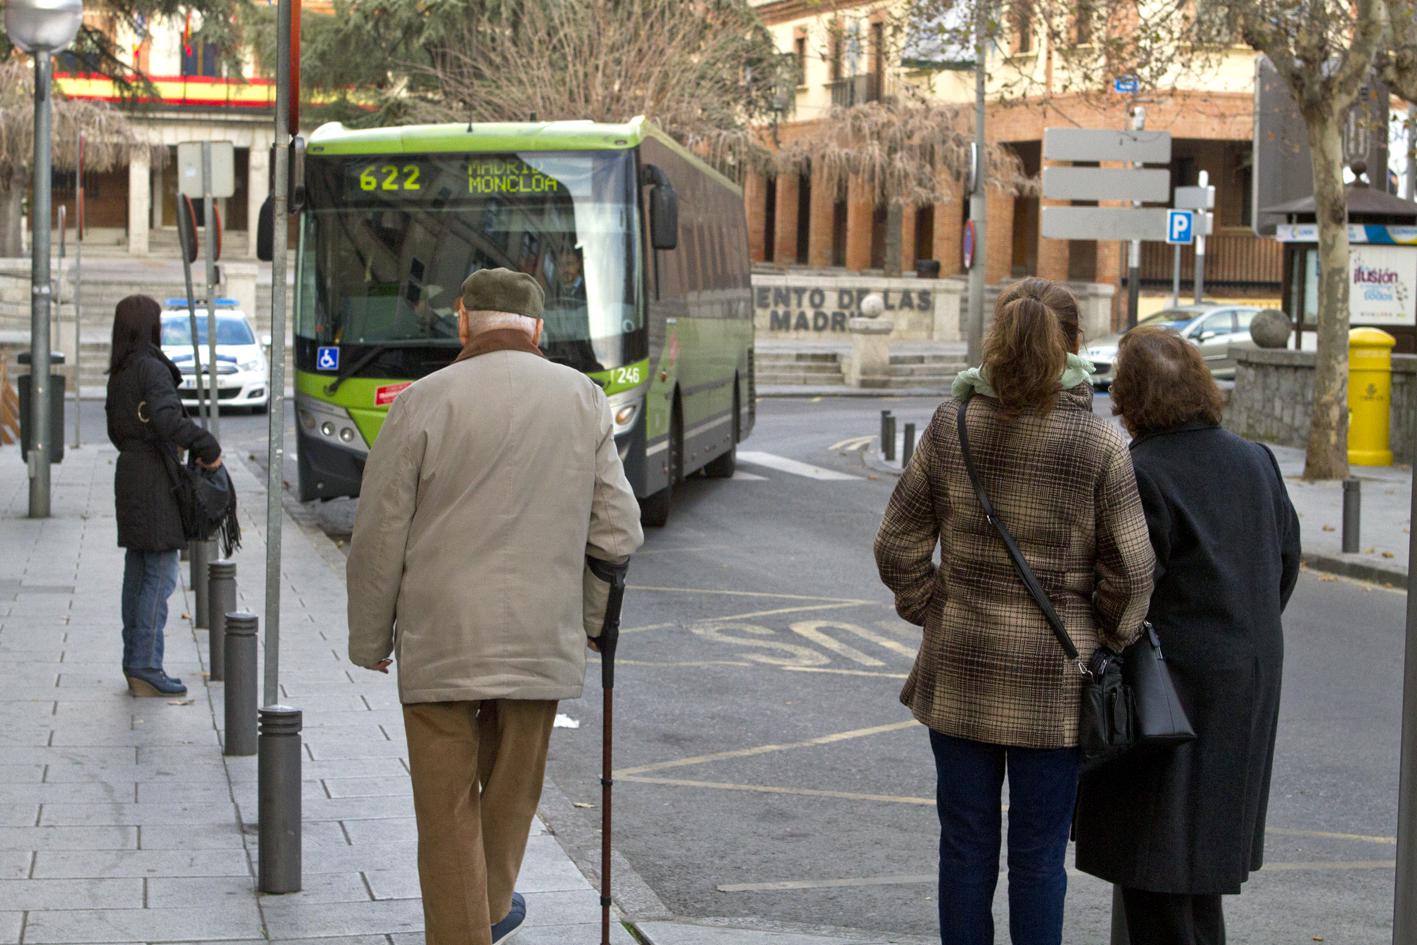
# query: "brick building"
197,98
848,52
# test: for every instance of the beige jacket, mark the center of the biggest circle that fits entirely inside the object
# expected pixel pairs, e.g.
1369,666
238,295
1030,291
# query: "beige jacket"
490,482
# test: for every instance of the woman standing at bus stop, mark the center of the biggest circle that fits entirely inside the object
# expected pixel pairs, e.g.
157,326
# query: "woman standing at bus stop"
144,417
991,682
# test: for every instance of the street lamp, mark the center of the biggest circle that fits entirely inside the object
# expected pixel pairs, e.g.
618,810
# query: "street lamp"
41,28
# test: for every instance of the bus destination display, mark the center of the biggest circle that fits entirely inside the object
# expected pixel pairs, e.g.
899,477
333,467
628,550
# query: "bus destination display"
392,178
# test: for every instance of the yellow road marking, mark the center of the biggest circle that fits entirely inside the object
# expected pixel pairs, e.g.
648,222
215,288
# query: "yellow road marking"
1328,835
769,749
771,789
724,593
752,613
843,672
923,879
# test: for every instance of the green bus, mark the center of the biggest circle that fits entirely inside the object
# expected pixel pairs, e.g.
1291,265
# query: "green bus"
640,245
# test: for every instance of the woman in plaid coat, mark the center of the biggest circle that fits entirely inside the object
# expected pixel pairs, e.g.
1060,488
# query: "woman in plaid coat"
991,681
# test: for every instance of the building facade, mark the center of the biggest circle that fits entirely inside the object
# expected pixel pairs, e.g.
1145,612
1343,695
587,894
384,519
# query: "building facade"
846,53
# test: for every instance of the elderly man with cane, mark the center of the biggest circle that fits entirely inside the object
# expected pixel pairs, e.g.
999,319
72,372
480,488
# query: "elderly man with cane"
492,484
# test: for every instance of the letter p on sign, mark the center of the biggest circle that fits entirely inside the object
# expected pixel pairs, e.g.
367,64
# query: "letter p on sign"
1180,227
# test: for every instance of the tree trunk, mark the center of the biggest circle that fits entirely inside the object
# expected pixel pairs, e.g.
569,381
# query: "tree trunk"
895,216
1326,455
12,196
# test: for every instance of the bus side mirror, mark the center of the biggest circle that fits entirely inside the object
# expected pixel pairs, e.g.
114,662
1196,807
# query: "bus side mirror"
663,216
266,231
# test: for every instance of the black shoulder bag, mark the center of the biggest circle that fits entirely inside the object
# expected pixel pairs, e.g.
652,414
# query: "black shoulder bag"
1128,699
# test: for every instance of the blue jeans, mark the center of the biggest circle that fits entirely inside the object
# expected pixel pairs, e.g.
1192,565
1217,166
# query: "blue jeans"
1042,793
148,580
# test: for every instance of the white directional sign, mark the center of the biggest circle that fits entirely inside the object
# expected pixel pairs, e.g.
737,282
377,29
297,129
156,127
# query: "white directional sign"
189,169
1105,223
1098,144
1194,198
1180,227
1150,185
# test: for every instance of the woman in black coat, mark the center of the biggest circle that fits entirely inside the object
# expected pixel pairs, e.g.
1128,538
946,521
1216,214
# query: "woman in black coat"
1177,828
145,416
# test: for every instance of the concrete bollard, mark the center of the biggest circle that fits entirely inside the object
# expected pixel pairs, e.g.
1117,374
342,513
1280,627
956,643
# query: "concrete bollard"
278,800
907,449
240,684
888,438
221,600
201,555
1352,515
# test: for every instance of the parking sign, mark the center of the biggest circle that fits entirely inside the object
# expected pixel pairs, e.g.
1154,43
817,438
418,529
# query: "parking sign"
1180,227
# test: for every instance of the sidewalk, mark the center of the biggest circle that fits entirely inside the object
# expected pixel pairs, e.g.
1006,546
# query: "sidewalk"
121,820
1385,520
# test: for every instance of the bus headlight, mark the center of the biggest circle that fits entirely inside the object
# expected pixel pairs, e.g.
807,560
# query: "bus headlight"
346,434
327,428
307,420
626,415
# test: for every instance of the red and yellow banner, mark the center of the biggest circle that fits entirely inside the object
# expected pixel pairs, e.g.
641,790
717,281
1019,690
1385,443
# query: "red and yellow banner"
174,91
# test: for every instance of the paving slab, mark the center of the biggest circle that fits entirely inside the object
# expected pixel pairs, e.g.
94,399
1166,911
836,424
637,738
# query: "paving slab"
24,895
213,921
70,864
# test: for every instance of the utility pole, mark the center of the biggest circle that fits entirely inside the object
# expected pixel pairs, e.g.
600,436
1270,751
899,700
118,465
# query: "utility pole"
40,292
1134,248
1404,909
974,322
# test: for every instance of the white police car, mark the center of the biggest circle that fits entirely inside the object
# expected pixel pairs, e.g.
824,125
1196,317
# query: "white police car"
242,371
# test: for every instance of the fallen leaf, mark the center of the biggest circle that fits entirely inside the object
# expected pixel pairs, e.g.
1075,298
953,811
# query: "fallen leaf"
1387,554
1368,551
1329,528
582,805
1318,938
872,476
182,702
189,616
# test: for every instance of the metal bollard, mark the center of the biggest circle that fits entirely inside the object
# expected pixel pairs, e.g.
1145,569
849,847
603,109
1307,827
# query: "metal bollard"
1352,508
221,600
240,684
888,437
885,422
278,800
201,555
908,448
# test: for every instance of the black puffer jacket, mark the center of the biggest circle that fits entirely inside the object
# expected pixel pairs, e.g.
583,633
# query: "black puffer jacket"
145,415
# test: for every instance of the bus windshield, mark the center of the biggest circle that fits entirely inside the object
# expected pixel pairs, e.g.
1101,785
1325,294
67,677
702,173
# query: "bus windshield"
389,239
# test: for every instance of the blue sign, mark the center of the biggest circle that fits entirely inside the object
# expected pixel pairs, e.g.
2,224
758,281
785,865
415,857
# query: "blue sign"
327,358
1180,227
1126,85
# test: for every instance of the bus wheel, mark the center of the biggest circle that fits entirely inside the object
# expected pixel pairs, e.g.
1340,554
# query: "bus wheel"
724,465
654,510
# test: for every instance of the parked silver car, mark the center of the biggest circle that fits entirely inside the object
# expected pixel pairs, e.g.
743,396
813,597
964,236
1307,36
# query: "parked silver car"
1212,327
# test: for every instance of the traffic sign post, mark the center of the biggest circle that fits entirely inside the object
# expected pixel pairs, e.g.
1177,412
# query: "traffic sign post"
1137,184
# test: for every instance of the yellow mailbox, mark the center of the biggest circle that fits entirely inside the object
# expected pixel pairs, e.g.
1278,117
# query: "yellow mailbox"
1369,396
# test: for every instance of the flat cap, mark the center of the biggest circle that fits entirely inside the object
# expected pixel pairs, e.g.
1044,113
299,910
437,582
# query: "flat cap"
502,290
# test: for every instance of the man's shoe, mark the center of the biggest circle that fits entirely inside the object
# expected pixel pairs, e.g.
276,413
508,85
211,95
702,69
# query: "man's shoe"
148,683
511,924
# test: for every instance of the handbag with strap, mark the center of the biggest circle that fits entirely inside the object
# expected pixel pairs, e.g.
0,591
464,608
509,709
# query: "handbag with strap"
1128,699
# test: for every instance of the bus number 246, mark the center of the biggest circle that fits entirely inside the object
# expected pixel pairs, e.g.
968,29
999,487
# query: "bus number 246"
629,376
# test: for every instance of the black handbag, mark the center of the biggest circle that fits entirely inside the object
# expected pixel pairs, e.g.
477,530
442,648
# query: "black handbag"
206,498
1128,699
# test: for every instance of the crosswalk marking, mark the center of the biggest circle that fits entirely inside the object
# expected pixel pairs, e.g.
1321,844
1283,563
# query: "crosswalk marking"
792,466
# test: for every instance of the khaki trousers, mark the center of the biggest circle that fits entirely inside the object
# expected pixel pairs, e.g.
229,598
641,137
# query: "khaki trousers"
477,771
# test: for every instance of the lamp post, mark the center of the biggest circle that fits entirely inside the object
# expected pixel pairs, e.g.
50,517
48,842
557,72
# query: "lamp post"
41,28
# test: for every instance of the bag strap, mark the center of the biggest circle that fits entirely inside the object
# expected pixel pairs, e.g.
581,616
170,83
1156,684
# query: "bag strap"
1025,573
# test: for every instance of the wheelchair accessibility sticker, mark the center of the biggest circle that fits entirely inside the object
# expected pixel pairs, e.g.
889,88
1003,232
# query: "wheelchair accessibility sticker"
327,358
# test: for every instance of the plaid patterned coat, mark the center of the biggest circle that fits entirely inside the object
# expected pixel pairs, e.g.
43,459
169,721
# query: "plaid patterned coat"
989,668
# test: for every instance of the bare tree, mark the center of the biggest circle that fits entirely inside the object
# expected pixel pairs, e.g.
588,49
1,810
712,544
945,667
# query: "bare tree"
903,150
108,141
703,70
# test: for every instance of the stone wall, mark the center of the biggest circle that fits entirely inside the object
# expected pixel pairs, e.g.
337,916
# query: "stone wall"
815,306
1273,397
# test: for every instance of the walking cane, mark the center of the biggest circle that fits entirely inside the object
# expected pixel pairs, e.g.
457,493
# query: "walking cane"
614,575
